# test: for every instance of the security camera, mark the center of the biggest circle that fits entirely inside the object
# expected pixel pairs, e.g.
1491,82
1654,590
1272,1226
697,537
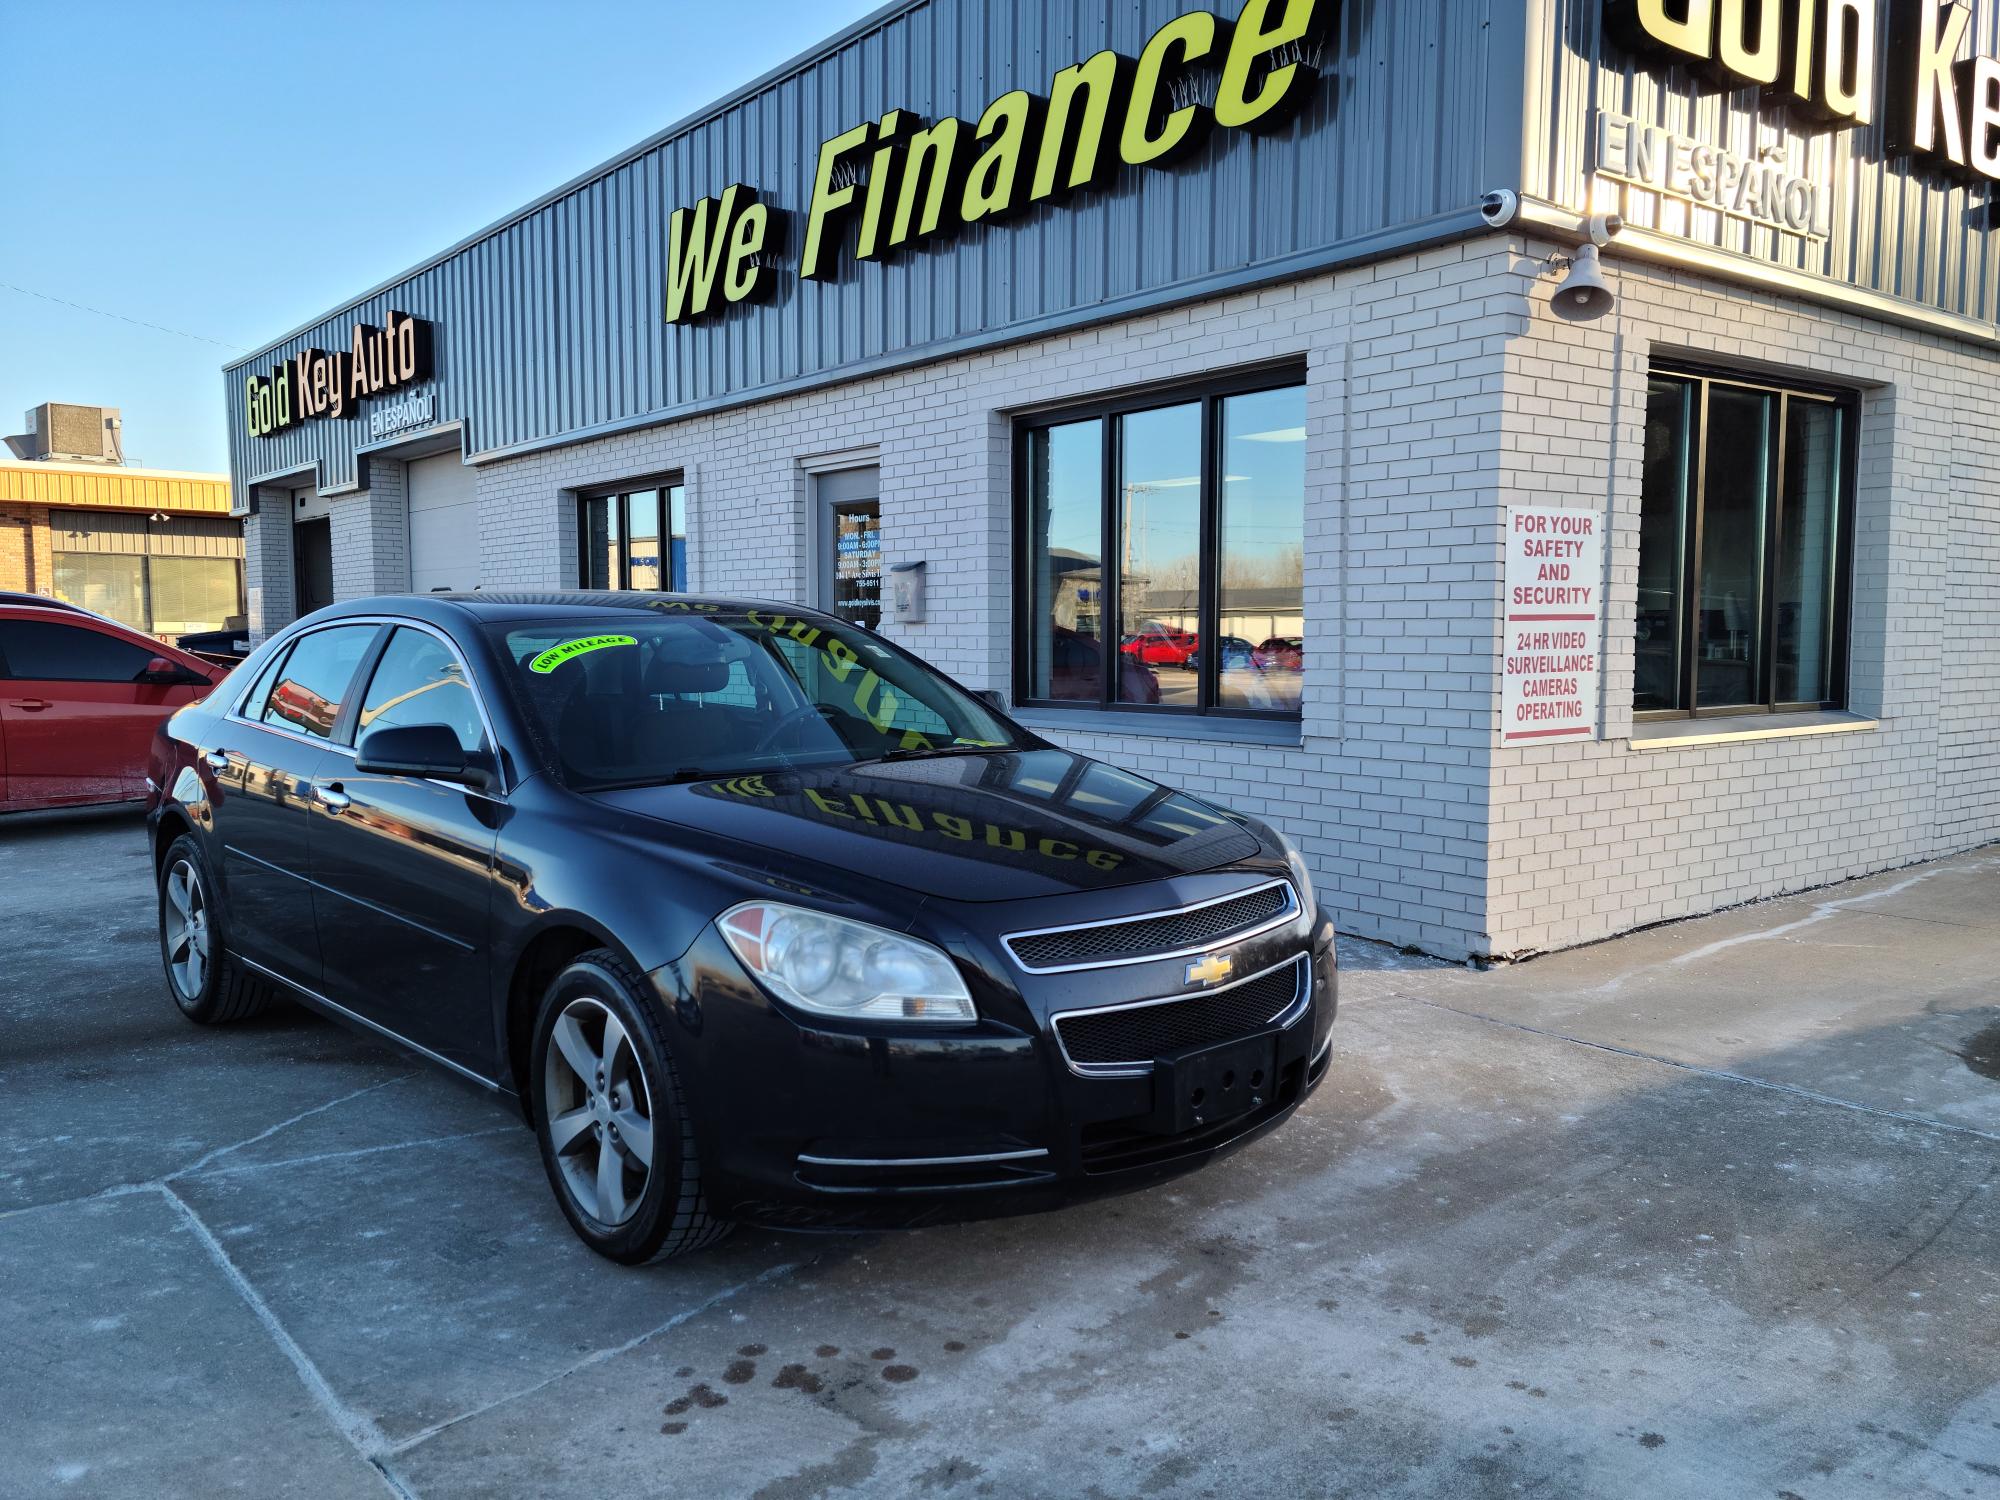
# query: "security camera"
1498,207
1604,228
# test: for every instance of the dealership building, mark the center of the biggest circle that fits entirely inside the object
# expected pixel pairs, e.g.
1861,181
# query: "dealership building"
1544,455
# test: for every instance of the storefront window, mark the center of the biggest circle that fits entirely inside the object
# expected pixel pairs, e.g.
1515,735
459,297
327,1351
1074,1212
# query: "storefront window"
163,596
1159,552
1066,586
107,583
1742,511
1260,585
634,540
1203,499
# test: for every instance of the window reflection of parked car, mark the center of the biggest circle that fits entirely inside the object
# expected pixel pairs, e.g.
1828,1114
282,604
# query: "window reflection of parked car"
1157,644
1076,669
1281,653
1236,653
297,704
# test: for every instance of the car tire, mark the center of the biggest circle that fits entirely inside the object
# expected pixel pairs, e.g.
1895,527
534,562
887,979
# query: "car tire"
207,982
600,1062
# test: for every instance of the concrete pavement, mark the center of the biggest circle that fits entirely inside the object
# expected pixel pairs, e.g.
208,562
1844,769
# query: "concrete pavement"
1709,1210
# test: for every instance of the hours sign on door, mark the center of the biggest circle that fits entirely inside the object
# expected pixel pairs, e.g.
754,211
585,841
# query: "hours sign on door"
1553,638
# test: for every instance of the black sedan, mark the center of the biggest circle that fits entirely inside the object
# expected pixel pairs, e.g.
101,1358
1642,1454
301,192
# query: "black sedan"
758,917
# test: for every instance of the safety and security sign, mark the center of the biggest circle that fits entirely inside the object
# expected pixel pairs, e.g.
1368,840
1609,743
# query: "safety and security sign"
1553,637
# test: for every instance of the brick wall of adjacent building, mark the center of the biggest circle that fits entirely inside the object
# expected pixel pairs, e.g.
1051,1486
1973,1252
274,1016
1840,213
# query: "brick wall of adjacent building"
25,559
1440,389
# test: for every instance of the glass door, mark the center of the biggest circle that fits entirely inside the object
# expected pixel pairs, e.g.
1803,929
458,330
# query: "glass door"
850,572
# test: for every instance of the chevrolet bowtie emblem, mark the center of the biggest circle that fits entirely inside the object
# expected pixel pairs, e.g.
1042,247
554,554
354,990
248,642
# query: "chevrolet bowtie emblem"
1211,968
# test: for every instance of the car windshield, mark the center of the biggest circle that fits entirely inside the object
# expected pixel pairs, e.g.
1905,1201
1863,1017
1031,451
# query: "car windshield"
701,691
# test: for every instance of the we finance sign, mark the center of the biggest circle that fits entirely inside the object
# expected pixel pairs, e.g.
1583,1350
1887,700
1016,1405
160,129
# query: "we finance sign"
887,184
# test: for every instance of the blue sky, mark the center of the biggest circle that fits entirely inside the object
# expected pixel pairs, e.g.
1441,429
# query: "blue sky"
230,171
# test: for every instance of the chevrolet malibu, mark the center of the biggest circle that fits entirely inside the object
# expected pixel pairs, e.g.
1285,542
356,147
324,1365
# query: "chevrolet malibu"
759,918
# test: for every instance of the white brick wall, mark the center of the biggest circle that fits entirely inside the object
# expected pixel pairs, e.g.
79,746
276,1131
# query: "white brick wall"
1592,839
1440,389
1388,793
269,590
371,535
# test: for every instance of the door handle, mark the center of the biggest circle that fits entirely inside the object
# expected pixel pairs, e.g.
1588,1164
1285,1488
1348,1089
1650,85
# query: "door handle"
333,797
30,705
217,761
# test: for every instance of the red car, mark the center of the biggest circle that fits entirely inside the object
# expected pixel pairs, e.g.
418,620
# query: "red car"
1156,644
1281,653
80,696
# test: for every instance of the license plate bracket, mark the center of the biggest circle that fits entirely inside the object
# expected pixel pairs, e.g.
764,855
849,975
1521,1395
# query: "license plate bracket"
1207,1085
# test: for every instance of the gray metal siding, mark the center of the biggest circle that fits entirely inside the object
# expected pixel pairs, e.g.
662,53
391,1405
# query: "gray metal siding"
552,323
1899,228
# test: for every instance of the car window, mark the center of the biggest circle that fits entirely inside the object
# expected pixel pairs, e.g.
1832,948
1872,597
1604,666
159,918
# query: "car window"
420,681
307,696
41,651
631,700
253,705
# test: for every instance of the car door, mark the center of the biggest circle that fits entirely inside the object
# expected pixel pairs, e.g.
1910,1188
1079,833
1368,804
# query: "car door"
265,756
78,709
403,867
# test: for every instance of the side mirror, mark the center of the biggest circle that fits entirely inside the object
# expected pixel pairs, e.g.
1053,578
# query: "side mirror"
993,698
430,750
160,672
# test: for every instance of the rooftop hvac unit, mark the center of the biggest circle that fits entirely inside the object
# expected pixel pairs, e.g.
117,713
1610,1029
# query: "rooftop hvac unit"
74,434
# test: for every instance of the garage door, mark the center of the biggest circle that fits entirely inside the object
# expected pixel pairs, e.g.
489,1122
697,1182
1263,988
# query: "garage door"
444,525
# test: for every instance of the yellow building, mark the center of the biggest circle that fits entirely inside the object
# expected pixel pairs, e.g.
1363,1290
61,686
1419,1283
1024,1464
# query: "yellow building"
151,547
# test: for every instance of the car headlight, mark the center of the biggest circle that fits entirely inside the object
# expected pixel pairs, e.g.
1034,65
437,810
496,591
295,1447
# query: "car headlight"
834,967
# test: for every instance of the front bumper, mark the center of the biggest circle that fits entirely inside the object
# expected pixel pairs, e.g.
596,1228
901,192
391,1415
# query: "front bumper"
808,1127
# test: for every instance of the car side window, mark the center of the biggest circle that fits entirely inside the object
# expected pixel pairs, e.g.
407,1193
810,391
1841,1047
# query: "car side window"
420,681
259,695
307,695
36,650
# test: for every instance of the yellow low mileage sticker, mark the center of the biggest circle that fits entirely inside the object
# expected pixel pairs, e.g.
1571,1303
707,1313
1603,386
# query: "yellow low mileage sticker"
555,656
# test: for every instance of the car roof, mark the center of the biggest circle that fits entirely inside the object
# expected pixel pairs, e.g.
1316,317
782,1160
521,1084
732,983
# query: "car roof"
509,606
20,600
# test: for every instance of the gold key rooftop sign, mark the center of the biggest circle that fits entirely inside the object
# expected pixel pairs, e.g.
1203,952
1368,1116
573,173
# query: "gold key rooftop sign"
315,383
1819,59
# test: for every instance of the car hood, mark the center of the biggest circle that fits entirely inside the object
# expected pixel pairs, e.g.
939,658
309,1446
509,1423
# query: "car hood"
1003,826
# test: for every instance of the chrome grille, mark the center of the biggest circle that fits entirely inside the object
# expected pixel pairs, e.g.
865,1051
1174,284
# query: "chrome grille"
1188,929
1133,1036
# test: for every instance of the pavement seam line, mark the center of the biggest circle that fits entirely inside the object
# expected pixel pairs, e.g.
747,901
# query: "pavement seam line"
774,1273
361,1433
1722,1074
265,1134
128,1189
320,1156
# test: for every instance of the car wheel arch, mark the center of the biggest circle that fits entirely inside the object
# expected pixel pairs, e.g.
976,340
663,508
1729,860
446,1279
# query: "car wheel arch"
173,823
553,947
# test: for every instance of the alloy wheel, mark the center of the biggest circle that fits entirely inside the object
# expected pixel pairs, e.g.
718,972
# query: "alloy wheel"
187,930
599,1111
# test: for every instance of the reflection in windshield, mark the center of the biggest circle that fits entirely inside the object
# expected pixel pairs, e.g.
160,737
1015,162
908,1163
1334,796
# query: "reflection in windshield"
702,691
